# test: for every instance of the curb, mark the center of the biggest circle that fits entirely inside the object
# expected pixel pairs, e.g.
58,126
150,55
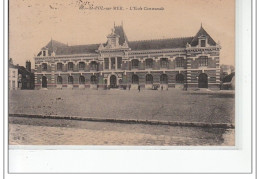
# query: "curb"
151,122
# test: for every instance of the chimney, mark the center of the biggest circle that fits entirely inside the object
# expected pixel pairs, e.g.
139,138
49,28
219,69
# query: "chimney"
28,66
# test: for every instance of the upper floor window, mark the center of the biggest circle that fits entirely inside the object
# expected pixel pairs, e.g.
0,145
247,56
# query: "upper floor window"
203,61
93,65
44,67
135,63
113,63
59,66
179,62
44,53
106,60
119,62
149,63
81,65
164,63
70,66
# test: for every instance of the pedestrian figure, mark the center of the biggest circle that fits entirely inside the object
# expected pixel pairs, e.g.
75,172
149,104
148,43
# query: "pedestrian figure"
162,87
129,87
139,88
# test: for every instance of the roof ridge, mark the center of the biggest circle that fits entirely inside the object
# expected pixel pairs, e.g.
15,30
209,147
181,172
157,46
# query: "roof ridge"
162,39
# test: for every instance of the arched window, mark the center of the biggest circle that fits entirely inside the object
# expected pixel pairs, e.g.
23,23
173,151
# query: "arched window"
44,67
59,66
81,80
179,62
70,66
179,78
135,64
59,80
93,65
164,63
93,79
70,79
164,79
135,79
203,61
81,65
149,79
149,63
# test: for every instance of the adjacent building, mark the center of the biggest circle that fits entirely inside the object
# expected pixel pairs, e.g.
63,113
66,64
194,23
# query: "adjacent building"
186,62
25,77
12,76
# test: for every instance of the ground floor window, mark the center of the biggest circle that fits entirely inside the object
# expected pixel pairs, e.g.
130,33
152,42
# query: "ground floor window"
179,78
135,79
164,79
81,80
59,80
93,79
149,79
70,80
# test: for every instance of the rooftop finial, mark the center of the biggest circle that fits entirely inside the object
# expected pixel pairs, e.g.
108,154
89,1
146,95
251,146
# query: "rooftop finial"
114,24
201,25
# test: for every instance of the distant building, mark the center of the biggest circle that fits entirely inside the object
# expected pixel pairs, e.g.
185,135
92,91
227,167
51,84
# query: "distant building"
26,76
189,62
13,76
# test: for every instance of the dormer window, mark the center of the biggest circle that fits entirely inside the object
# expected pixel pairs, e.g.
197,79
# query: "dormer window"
44,53
202,41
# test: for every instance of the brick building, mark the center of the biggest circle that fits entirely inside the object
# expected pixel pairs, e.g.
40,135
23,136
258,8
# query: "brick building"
189,62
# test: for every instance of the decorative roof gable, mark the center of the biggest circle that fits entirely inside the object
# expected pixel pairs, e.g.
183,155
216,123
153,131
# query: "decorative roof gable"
202,33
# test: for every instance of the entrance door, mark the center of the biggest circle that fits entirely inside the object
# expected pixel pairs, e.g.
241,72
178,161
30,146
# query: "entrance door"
44,82
203,80
113,81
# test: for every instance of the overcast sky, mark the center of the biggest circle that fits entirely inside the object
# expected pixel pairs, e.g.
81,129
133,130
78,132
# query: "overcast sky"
32,23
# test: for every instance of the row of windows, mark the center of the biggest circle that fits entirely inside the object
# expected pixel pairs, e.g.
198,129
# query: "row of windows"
164,63
135,79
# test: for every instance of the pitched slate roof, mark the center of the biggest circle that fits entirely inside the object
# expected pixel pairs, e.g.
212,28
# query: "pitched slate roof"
160,43
63,49
77,49
202,32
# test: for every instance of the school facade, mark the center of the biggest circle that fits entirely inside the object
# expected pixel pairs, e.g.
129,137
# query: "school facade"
189,62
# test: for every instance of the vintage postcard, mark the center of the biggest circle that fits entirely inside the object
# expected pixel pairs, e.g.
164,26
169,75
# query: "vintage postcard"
122,73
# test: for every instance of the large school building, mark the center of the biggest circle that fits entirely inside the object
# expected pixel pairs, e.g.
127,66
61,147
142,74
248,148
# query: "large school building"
190,62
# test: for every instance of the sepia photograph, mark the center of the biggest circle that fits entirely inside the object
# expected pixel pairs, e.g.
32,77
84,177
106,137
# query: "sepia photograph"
127,73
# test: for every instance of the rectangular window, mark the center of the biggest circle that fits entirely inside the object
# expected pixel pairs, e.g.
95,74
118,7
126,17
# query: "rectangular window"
149,63
81,65
180,62
59,66
44,53
203,43
203,61
106,60
44,67
70,66
119,62
164,63
113,63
